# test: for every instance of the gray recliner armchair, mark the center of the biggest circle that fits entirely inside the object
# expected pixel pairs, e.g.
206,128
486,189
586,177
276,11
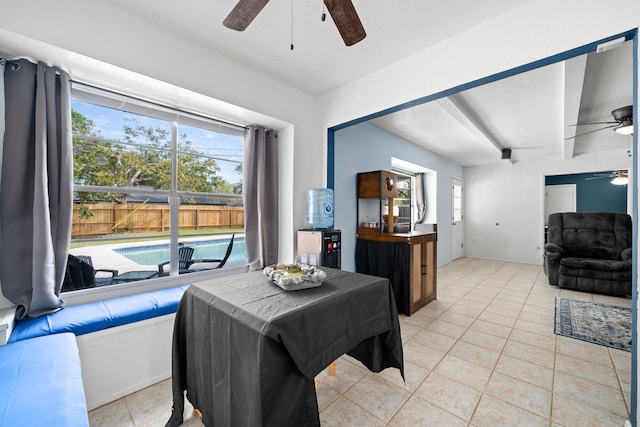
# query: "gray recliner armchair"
589,252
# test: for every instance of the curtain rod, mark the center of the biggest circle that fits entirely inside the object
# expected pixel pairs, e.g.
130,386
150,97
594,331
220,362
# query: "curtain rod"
15,67
157,104
4,60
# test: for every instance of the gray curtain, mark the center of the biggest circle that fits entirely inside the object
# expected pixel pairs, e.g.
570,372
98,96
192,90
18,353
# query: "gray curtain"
421,198
260,190
35,186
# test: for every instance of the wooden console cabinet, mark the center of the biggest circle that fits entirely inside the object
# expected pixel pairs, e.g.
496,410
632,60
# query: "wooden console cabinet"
423,271
408,259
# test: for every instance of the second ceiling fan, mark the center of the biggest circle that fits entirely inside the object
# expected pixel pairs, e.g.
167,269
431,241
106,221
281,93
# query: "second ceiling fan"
342,12
622,122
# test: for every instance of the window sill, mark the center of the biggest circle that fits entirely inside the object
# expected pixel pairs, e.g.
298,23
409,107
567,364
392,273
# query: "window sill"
124,289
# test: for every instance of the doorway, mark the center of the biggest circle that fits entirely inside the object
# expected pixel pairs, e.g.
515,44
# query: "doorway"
559,198
457,209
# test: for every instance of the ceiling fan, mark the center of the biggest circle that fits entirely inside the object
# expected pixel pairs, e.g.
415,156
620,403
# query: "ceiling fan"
620,177
622,122
343,13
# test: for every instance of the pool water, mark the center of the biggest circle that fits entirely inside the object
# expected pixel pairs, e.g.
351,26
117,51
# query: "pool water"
212,249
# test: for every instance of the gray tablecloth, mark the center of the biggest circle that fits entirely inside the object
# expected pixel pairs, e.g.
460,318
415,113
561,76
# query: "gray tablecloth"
247,351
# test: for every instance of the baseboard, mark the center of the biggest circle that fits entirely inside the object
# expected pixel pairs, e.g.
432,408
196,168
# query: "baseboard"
125,391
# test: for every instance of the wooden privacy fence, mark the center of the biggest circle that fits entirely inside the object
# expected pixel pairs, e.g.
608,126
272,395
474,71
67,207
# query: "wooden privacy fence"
110,218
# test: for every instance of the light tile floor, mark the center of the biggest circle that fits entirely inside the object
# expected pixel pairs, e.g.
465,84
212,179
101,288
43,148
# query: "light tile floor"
483,354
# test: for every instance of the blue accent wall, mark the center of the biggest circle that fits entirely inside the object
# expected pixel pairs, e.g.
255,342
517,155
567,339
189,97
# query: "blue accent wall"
364,148
594,195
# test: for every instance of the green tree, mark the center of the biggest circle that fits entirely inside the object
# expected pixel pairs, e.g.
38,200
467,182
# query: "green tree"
88,158
196,173
237,187
147,161
143,160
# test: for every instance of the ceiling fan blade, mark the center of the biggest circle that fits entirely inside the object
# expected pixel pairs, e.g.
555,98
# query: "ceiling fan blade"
592,131
346,18
243,13
595,123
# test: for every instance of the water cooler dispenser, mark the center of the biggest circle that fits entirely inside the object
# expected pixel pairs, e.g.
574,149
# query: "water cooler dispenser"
320,244
319,247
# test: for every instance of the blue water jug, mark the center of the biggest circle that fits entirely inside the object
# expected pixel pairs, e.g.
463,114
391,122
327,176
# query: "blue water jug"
320,207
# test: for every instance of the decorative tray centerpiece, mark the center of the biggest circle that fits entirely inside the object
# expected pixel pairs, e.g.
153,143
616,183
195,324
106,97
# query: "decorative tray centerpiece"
293,277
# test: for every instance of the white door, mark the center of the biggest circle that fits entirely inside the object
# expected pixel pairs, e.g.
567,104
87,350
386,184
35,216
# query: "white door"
559,198
457,230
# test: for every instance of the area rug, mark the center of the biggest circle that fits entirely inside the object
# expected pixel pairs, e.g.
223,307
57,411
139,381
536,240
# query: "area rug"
602,324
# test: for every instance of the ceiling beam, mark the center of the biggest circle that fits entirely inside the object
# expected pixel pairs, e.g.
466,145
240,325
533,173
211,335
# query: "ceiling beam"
453,106
574,72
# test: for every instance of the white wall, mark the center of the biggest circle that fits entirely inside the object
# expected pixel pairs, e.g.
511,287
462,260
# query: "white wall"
365,148
504,203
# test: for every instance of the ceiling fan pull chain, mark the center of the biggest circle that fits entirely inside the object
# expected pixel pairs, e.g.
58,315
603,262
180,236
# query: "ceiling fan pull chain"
323,17
291,24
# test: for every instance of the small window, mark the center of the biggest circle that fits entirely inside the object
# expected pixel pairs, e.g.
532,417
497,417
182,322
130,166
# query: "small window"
457,203
405,207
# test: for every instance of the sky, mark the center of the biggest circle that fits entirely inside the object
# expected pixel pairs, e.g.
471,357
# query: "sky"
109,124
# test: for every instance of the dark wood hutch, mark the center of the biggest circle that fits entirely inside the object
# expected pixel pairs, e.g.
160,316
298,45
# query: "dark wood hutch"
383,248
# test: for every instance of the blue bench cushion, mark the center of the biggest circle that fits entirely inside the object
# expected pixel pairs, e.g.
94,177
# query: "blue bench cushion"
92,317
41,383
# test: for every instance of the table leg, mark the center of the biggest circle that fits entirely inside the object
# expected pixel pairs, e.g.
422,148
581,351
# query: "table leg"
332,369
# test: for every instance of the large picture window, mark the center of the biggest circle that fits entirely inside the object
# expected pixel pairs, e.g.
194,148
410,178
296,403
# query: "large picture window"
150,184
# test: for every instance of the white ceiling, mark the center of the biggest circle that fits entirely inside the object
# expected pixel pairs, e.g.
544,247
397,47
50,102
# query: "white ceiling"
528,113
472,127
320,61
531,113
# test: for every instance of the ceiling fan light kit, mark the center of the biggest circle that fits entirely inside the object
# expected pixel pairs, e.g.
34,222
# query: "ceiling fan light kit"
624,116
620,180
625,128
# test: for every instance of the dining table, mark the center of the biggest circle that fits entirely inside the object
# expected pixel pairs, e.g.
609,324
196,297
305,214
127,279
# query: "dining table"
247,351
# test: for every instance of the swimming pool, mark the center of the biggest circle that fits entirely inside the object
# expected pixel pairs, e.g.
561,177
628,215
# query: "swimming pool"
212,249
